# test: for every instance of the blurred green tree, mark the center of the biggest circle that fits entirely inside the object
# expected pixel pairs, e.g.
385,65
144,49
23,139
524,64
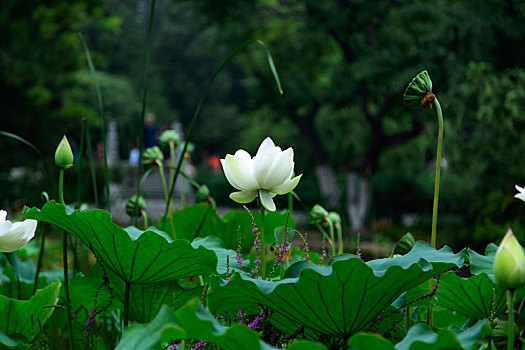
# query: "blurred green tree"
345,64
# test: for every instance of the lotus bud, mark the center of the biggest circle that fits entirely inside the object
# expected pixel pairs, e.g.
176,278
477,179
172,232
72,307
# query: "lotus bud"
169,137
405,244
318,215
334,217
64,155
152,156
84,207
509,263
135,207
189,149
203,194
419,92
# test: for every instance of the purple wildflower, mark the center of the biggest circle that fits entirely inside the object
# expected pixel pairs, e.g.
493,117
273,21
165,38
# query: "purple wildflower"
256,321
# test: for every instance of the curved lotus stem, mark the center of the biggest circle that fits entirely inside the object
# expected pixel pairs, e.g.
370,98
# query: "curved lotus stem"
438,171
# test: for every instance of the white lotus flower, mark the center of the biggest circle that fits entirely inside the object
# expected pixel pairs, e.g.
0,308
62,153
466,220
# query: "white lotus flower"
14,236
267,174
521,194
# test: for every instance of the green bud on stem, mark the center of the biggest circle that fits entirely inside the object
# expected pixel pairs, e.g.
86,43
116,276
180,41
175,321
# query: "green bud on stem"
167,137
152,157
318,215
64,155
509,264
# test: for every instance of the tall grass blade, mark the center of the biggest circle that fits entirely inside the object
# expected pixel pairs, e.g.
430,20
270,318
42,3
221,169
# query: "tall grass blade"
91,164
144,95
33,147
101,112
81,159
201,101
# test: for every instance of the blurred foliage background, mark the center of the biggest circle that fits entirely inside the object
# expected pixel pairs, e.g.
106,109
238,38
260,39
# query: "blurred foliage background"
344,65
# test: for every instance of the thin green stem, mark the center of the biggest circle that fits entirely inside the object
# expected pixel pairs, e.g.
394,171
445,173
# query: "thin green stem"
11,258
510,304
339,238
145,216
172,170
436,194
163,179
183,188
126,304
438,172
61,186
323,232
263,246
166,198
66,286
64,260
332,237
40,259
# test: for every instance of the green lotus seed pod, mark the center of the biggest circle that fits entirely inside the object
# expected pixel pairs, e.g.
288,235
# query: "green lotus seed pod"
203,194
419,92
167,137
63,154
152,156
405,244
334,217
190,148
318,215
509,263
135,207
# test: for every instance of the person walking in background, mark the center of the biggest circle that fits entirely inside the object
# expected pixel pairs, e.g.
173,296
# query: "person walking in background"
150,131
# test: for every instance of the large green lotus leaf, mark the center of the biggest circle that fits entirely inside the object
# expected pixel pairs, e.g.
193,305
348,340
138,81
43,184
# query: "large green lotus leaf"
145,299
191,321
200,220
367,341
420,337
22,318
226,257
337,300
135,256
471,296
305,345
483,264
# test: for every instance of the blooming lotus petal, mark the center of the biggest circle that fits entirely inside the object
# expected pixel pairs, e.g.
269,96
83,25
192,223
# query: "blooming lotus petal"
263,161
18,236
267,174
243,196
287,186
239,173
281,170
244,156
521,194
5,226
267,199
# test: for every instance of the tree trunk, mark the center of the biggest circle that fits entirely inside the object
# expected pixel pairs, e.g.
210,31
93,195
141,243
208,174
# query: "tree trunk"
330,192
358,197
